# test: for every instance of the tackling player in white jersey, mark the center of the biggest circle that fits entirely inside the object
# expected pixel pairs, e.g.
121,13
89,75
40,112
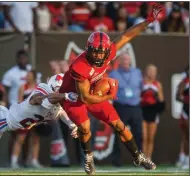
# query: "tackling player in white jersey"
41,106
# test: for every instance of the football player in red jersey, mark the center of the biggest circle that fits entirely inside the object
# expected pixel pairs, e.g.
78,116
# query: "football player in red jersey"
88,68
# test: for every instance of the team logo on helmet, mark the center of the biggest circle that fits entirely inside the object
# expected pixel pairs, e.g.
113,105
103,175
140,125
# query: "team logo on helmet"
59,78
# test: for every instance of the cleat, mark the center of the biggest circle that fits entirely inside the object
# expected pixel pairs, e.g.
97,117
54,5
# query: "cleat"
89,164
141,160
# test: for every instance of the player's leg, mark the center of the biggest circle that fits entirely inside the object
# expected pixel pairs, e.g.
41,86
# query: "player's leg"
85,136
17,146
84,133
78,114
106,112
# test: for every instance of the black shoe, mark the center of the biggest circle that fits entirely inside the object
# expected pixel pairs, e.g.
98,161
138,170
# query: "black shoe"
141,160
89,164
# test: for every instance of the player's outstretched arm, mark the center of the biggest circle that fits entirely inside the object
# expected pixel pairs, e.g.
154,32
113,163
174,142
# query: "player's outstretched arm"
135,30
55,98
83,89
52,98
37,99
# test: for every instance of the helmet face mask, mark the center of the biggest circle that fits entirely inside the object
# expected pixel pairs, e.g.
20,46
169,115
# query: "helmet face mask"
55,89
98,48
97,56
55,82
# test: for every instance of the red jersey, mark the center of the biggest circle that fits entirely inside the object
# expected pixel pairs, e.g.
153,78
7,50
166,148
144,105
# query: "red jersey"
82,70
56,12
105,24
80,15
150,93
132,7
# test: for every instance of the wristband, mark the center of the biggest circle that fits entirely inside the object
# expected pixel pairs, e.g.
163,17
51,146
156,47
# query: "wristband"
72,97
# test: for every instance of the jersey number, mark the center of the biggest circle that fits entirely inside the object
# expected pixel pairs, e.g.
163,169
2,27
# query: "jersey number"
28,122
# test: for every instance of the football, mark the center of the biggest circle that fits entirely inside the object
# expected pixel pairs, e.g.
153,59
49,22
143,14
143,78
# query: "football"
101,87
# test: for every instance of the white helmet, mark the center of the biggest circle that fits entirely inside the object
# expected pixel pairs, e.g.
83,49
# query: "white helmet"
55,82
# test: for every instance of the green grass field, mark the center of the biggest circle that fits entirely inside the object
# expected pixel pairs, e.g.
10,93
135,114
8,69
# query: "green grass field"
160,171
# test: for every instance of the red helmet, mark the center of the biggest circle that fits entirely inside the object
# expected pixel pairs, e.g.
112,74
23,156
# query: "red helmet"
98,48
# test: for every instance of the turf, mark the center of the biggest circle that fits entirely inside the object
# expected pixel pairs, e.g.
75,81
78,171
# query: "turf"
160,171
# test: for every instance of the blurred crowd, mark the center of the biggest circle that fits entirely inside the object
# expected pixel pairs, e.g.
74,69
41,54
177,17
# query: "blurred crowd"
25,17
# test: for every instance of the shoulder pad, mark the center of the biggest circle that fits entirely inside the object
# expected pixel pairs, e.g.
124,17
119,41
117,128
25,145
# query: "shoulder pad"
80,70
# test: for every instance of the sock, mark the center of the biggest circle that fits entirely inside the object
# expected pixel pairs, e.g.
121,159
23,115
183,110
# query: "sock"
132,147
14,159
86,146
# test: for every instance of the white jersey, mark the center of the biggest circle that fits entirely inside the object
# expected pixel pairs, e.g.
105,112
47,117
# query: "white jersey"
25,115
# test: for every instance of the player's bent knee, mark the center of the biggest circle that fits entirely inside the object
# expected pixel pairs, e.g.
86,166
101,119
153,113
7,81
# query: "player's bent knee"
84,128
83,131
118,126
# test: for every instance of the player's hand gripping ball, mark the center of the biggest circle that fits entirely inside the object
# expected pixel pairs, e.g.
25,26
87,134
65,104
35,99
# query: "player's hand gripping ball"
104,86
